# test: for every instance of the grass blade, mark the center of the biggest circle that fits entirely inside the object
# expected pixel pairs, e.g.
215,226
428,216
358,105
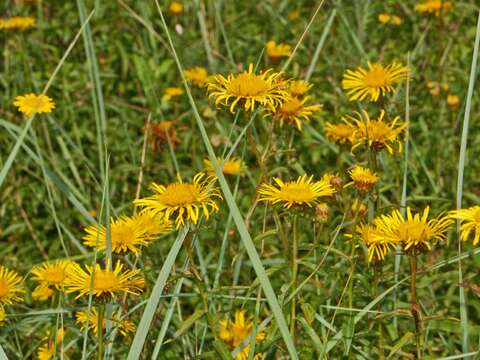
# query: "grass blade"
152,304
461,168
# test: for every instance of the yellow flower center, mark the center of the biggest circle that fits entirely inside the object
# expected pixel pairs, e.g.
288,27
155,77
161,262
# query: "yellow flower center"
180,195
105,280
54,275
4,288
297,193
122,235
376,77
414,231
291,107
246,84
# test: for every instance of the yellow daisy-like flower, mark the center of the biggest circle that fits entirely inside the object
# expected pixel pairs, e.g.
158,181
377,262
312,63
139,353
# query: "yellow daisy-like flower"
340,133
184,201
231,167
52,273
17,23
374,82
171,92
3,316
303,191
470,222
295,111
377,134
42,293
10,286
233,333
377,247
277,51
298,88
47,350
248,89
175,8
197,75
128,233
90,319
390,19
29,104
106,283
414,232
437,7
363,179
358,208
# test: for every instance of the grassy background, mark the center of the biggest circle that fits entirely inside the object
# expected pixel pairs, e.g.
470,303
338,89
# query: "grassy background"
58,177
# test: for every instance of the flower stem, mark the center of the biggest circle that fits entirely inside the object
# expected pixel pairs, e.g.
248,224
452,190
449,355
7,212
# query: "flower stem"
101,310
415,307
294,272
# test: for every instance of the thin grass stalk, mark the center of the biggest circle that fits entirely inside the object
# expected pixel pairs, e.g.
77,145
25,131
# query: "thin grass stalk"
415,308
461,168
294,265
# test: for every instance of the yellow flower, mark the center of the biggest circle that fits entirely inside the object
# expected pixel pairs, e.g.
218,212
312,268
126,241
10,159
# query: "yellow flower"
42,293
233,333
106,283
453,102
230,167
298,88
90,319
184,201
377,247
2,315
197,76
376,134
47,350
171,92
160,132
437,7
364,179
277,51
248,89
302,191
434,88
390,19
10,286
175,8
375,82
414,232
295,111
128,233
470,222
17,23
340,133
52,273
29,104
358,208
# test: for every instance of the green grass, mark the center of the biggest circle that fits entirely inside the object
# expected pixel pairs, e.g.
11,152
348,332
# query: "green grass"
87,160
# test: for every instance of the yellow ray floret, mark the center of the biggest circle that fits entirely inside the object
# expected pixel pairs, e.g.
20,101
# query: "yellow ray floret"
377,247
340,133
295,111
376,133
277,51
233,333
183,201
298,88
103,283
17,23
363,179
374,82
303,191
470,222
128,233
29,104
248,90
437,7
197,75
90,318
10,286
413,232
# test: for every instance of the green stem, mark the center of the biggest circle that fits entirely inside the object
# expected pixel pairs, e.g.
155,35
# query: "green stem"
100,310
377,276
415,307
294,272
